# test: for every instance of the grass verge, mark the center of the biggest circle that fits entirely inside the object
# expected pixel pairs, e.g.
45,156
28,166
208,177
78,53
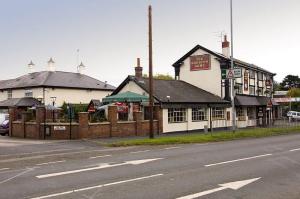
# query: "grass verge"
204,138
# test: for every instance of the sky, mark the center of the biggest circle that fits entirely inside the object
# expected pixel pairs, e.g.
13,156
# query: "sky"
111,34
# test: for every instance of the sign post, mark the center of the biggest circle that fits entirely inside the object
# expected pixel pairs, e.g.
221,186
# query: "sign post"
232,67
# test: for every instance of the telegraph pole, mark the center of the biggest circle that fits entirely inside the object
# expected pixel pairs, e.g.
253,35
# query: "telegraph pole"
232,68
151,133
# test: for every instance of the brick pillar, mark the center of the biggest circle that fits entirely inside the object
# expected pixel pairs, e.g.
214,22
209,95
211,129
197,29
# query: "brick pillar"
113,119
40,118
137,117
24,120
83,129
12,117
158,115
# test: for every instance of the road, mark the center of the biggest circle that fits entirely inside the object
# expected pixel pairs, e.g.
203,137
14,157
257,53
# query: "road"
267,168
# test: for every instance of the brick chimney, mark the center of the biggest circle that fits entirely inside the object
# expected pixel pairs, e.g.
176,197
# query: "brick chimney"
225,47
138,69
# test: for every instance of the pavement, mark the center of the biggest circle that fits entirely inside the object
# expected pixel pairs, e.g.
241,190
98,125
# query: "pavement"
266,168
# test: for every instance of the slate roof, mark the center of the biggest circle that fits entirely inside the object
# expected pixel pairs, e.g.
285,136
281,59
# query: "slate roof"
244,100
220,56
19,102
56,79
179,91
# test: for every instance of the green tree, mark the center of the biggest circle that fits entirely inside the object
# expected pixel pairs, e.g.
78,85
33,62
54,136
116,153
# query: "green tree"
277,86
290,81
161,76
294,92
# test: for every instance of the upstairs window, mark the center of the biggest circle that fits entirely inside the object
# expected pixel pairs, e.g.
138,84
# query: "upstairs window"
260,76
9,94
28,93
260,91
252,90
238,88
252,74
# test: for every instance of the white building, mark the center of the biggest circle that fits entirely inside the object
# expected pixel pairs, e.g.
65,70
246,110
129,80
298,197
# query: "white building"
52,85
199,97
203,68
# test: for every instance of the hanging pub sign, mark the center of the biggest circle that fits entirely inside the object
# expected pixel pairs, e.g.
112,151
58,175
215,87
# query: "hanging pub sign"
246,81
200,62
268,82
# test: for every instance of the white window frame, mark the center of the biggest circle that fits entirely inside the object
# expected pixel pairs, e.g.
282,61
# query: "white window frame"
9,94
199,114
218,113
28,93
251,90
177,115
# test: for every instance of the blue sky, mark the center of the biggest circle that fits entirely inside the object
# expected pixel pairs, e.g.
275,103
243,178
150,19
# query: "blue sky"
111,34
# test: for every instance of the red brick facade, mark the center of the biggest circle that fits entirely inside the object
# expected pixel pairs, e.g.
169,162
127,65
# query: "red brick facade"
82,129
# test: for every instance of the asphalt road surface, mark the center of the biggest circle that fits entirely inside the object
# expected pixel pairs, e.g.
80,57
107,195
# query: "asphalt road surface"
267,168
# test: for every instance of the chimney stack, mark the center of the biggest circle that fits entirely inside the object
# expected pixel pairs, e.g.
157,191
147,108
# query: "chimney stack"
51,66
31,67
138,70
225,47
80,68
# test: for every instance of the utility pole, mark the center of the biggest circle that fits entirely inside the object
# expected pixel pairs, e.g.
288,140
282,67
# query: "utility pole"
151,133
232,68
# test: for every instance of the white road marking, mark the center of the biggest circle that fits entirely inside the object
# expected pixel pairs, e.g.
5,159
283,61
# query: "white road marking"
2,169
295,150
231,185
140,151
39,152
103,166
19,174
175,147
54,162
99,156
97,186
57,154
237,160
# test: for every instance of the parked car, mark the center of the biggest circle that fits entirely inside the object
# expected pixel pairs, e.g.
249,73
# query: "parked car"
3,116
293,115
4,128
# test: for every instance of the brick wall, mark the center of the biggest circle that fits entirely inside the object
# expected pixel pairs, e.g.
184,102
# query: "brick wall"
82,129
99,130
31,130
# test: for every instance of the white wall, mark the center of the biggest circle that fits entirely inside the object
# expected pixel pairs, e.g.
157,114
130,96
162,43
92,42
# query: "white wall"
190,125
209,80
133,87
61,94
73,95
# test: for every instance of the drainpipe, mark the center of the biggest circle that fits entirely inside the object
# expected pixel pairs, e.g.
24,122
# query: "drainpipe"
210,118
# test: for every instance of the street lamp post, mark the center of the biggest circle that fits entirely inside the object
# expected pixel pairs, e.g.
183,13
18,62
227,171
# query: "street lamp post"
232,68
53,106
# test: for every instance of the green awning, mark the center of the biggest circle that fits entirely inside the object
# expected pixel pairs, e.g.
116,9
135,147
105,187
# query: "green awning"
126,97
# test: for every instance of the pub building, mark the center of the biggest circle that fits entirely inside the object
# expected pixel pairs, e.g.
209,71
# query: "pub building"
199,98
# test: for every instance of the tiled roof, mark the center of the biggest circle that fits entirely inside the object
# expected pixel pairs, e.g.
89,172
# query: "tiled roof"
20,102
177,90
220,56
55,79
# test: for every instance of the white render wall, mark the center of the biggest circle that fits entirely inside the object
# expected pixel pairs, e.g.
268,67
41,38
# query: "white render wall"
133,87
209,80
190,125
62,95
